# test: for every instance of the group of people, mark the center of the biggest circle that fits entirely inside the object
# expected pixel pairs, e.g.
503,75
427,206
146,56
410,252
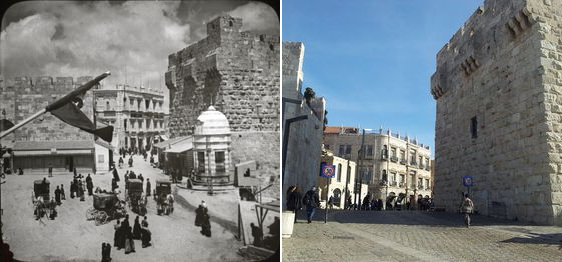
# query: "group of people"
295,201
202,219
77,186
125,234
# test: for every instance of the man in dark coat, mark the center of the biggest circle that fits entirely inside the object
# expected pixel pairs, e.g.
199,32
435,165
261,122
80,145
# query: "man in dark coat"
72,189
113,184
89,184
294,200
205,223
115,175
199,214
57,195
257,234
63,196
148,187
137,229
311,201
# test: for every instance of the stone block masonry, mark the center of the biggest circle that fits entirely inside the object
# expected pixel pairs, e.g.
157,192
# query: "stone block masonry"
236,71
29,95
498,111
263,147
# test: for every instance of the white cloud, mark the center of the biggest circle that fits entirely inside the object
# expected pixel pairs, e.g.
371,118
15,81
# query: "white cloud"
257,17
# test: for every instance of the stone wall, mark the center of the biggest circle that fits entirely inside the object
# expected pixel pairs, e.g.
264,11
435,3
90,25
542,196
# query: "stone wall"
498,112
236,71
263,147
29,95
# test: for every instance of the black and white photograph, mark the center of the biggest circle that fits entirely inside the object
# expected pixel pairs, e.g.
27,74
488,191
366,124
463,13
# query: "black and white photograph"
140,131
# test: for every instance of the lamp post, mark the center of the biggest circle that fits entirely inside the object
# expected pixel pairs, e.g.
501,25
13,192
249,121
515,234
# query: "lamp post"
360,157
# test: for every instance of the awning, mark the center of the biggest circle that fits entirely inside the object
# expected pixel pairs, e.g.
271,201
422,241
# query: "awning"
41,148
52,153
165,144
180,146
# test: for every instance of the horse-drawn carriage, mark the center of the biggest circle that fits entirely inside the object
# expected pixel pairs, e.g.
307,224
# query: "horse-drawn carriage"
134,196
41,199
163,197
107,206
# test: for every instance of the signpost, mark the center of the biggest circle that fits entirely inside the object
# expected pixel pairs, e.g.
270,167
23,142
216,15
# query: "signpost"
328,171
468,182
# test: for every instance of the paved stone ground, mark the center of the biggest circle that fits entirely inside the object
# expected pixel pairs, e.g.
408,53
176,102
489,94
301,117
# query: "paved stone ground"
419,236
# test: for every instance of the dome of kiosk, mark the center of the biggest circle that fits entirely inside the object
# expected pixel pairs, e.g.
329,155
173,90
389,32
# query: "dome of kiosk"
212,122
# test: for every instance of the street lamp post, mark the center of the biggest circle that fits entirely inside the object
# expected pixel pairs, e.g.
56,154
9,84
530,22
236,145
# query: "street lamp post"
360,156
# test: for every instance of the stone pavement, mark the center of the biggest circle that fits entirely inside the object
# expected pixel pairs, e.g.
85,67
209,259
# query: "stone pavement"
419,236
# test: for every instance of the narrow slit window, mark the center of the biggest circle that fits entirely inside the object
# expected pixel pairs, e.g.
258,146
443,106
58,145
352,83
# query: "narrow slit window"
474,127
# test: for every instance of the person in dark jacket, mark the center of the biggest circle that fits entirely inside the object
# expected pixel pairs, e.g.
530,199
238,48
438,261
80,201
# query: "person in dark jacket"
113,184
89,184
257,234
117,227
148,187
116,175
57,195
311,201
199,214
72,189
63,196
294,200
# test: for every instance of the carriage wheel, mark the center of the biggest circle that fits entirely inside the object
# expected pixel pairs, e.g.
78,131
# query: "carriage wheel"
101,218
91,214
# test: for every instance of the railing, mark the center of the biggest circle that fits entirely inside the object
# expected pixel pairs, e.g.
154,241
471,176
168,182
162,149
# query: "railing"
394,159
427,168
403,161
428,188
384,157
413,163
420,187
393,183
421,166
401,184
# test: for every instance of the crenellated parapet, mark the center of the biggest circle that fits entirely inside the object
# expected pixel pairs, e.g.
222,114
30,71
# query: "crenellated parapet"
491,28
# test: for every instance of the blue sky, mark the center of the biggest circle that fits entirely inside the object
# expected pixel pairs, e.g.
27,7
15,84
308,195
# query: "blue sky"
372,60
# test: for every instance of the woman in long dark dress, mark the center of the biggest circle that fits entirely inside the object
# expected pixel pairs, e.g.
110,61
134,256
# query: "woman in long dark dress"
206,224
116,235
137,229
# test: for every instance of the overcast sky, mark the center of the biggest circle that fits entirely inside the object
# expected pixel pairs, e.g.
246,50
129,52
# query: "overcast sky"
372,60
131,39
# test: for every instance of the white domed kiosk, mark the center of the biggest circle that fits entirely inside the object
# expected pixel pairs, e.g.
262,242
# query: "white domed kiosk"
211,149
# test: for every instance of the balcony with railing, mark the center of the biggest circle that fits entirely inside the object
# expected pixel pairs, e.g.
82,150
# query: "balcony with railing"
413,163
403,161
420,187
384,157
421,166
394,159
393,183
427,167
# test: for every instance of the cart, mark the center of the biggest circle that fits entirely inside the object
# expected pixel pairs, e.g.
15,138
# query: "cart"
163,196
106,207
134,196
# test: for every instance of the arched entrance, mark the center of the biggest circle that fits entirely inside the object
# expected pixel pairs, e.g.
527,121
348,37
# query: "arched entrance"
337,197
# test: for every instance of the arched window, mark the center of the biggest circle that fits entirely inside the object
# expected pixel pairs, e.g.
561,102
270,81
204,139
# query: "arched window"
337,197
339,173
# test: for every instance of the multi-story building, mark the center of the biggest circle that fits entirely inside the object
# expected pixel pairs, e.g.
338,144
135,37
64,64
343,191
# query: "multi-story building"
47,141
136,113
392,164
342,185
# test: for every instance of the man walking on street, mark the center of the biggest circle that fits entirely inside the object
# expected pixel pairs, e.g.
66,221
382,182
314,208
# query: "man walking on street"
467,207
311,201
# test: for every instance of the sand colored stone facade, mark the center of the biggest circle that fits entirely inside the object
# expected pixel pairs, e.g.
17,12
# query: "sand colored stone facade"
499,97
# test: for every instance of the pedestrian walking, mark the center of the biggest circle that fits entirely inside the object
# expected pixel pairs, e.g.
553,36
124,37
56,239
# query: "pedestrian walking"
117,227
50,169
206,223
144,222
57,195
146,237
116,175
129,242
199,214
137,229
72,189
294,200
467,208
148,187
311,201
63,196
89,184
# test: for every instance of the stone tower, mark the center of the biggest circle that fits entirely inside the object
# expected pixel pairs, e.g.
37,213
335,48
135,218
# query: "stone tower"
235,71
498,88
